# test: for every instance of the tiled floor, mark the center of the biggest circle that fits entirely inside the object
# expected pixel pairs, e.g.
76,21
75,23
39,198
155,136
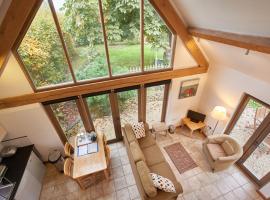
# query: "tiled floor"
198,183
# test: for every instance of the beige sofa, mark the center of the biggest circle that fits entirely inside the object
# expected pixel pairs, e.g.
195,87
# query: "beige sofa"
221,156
145,157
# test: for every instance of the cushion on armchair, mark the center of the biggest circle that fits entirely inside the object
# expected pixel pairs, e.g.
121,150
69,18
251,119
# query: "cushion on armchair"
228,148
215,151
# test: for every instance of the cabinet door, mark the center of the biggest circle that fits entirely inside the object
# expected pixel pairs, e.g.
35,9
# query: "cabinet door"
31,183
36,167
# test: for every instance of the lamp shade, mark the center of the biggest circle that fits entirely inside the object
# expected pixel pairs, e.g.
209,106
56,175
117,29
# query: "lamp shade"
219,113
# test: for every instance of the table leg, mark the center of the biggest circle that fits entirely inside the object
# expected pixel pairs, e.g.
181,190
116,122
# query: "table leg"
191,133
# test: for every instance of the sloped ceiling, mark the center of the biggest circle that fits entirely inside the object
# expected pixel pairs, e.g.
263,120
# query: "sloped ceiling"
241,16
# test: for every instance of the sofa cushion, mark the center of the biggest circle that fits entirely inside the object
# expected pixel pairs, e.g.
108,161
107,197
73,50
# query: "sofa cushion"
138,129
164,170
215,151
146,141
162,183
129,133
146,180
227,147
136,152
153,155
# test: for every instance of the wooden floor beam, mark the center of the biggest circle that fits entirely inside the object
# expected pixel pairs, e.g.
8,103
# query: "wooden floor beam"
170,16
255,43
40,97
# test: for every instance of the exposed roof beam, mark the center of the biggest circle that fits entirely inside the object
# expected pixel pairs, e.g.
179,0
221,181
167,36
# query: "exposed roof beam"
98,86
255,43
16,13
175,22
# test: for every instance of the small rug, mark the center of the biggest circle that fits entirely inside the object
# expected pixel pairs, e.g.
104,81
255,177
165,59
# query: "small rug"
180,157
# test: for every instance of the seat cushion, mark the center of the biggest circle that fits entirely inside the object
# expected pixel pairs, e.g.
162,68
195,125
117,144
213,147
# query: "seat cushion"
164,170
153,155
227,147
215,151
146,180
129,133
136,152
146,141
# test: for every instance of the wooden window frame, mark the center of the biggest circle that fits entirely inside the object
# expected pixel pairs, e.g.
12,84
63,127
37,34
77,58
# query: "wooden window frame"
87,81
85,113
256,138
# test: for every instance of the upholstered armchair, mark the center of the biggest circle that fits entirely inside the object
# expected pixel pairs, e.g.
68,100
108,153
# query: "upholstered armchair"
221,151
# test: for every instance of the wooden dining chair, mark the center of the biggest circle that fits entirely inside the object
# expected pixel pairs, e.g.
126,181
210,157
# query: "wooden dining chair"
68,167
69,150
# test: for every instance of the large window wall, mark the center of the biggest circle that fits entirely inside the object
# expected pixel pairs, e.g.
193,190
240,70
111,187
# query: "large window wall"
73,42
106,112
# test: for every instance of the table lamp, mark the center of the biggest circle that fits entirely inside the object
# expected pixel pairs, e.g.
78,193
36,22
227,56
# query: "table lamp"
219,113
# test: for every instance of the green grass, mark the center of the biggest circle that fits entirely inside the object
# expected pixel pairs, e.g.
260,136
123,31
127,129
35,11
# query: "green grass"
122,57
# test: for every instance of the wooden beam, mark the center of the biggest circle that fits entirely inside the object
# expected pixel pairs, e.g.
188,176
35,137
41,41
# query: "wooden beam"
77,90
255,43
170,16
17,14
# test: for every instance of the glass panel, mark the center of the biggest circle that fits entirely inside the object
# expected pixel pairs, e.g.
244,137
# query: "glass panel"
69,118
250,119
81,26
128,106
157,40
154,103
258,163
42,53
122,23
101,114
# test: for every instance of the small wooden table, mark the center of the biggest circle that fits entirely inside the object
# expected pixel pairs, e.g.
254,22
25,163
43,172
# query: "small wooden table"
192,125
88,164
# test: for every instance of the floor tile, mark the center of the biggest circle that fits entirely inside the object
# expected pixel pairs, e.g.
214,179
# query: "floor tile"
122,194
133,192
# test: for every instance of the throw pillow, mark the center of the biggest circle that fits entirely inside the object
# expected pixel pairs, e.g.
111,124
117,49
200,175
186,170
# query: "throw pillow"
163,183
227,148
138,129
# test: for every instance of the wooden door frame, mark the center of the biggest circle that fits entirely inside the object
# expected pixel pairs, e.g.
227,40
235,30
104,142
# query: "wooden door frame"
258,135
252,148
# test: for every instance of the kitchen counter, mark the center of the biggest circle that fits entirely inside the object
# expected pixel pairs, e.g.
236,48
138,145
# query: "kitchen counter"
16,166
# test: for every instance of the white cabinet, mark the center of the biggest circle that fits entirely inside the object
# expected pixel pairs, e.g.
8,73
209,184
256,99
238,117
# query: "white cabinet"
31,183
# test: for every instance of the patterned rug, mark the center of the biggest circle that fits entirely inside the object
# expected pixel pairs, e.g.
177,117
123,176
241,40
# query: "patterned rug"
180,157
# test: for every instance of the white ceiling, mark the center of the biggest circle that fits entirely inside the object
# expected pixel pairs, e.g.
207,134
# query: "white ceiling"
239,16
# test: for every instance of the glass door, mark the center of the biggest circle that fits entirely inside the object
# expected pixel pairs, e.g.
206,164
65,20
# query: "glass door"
256,161
252,113
154,104
101,114
128,106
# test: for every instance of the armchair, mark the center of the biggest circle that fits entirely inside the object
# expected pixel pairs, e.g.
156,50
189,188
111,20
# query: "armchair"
221,151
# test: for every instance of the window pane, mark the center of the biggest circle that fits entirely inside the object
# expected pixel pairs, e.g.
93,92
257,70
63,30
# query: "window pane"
258,163
128,106
122,23
42,53
250,119
154,103
69,118
101,114
81,26
157,40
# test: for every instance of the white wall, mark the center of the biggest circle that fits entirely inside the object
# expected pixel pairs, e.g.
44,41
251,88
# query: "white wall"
225,87
30,120
177,108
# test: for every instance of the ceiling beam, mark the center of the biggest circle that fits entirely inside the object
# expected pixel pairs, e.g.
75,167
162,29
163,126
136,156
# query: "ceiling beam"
250,42
170,16
16,14
77,90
